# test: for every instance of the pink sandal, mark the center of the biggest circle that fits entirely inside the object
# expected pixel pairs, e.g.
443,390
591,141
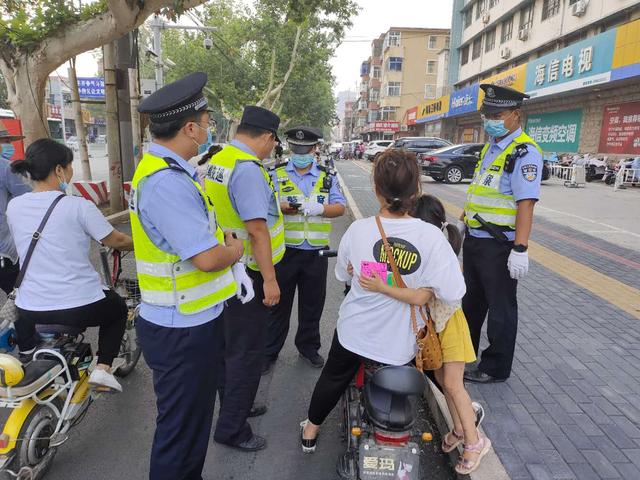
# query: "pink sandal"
449,447
465,466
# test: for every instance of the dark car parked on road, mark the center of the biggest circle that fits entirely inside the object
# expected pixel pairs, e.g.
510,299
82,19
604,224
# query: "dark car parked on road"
451,164
420,144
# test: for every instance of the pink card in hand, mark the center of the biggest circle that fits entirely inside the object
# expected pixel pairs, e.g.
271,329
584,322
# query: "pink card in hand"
368,268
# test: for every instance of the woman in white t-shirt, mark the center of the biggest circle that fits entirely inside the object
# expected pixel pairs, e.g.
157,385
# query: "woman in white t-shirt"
374,325
60,285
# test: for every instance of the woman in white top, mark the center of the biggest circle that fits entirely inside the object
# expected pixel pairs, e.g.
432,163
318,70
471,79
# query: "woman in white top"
376,325
60,285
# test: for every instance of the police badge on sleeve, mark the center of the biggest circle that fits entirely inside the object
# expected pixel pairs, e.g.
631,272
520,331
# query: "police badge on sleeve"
530,172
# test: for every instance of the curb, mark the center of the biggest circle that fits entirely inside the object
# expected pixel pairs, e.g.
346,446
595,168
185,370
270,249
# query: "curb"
491,467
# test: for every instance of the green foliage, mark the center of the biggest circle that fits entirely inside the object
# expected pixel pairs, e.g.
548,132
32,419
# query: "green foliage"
245,38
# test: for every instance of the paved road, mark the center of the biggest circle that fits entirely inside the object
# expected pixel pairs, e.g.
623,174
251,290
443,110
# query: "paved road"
571,408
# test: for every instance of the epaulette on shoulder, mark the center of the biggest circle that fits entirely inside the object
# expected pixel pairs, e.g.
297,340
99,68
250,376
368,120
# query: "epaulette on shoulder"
278,165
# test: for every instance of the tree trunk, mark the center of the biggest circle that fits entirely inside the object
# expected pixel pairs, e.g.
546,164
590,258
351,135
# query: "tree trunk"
26,86
116,200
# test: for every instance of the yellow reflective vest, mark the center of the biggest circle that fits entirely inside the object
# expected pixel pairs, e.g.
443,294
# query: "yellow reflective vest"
165,279
219,172
484,197
297,228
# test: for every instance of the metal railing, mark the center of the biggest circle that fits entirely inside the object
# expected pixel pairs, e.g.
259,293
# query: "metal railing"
572,176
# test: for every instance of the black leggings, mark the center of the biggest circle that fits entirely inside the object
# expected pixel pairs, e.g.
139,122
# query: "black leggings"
110,314
341,367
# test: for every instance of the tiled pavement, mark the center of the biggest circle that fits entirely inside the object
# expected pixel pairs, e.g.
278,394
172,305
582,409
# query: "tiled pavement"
571,409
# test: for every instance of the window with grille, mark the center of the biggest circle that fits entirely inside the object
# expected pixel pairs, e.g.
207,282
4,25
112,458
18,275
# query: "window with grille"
464,55
507,30
388,113
374,95
479,8
493,3
550,8
476,48
393,39
433,42
447,42
467,17
490,40
376,72
431,67
393,89
429,91
526,17
394,64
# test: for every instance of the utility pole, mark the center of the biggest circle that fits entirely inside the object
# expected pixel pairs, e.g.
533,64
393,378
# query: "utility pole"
135,116
81,131
125,59
113,128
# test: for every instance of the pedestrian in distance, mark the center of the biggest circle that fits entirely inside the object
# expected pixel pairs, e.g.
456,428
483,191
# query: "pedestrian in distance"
457,350
497,220
309,198
247,204
11,186
186,268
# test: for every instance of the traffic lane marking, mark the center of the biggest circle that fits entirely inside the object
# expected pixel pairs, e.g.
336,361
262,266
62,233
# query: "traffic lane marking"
621,295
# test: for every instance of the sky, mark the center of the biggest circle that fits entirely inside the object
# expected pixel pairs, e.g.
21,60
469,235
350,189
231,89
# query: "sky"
375,18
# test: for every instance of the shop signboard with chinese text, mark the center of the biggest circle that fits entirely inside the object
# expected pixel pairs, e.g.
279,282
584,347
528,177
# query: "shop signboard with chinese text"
412,114
91,87
582,64
620,131
514,78
626,55
464,101
557,131
433,110
383,126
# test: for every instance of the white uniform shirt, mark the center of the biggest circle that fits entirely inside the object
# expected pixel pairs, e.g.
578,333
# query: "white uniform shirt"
60,274
375,325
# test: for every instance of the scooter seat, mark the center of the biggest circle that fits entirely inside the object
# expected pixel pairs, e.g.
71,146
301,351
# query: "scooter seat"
37,374
61,329
390,397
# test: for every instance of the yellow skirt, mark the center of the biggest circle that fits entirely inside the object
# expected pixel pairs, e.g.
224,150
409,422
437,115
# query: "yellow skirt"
455,340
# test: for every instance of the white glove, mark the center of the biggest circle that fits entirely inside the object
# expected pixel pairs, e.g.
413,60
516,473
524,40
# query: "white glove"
518,264
242,280
312,208
461,226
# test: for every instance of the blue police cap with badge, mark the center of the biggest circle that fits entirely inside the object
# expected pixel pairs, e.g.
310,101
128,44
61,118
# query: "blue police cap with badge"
302,138
498,99
176,100
259,117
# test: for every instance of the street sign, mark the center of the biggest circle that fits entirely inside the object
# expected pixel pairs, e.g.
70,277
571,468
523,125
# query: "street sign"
91,87
557,131
621,129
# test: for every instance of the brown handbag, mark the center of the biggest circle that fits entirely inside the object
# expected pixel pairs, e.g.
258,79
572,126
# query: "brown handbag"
429,355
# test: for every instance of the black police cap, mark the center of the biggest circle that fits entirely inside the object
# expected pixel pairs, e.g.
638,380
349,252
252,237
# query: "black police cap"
261,118
302,135
498,98
176,100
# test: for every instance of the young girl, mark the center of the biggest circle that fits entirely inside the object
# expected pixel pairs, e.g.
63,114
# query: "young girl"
457,349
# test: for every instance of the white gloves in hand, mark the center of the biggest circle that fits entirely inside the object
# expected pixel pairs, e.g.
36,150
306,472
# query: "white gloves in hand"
461,226
518,264
312,208
242,280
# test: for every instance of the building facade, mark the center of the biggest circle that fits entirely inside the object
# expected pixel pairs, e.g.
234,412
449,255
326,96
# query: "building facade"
579,60
402,70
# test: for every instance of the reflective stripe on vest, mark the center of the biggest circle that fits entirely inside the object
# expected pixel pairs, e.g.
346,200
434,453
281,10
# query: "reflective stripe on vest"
297,228
484,197
219,172
164,279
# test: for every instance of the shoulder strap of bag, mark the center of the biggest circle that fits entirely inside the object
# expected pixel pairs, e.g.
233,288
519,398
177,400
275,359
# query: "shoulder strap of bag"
34,240
396,273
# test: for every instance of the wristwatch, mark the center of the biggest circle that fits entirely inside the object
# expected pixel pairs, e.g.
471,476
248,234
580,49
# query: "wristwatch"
520,248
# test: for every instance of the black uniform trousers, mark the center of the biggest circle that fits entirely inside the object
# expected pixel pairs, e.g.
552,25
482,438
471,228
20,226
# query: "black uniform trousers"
491,289
183,362
306,271
8,275
240,363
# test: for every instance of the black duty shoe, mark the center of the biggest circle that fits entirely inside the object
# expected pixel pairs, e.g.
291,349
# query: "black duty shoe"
257,410
267,366
254,444
315,359
478,376
308,446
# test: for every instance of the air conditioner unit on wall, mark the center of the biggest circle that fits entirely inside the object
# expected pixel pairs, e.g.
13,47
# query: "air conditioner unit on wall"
486,17
523,34
404,128
505,52
579,8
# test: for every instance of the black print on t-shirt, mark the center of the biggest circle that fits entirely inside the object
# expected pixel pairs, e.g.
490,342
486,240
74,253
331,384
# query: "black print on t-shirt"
405,254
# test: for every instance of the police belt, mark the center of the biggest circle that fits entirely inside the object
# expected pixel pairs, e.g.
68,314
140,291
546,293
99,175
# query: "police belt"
496,231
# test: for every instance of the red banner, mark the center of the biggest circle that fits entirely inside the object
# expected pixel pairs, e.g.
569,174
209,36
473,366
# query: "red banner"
412,113
621,129
14,127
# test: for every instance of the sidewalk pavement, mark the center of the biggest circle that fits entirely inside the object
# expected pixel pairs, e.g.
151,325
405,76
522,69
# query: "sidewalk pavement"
571,409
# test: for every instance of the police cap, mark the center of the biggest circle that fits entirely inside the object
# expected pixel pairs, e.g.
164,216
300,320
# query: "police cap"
302,138
261,118
498,98
176,100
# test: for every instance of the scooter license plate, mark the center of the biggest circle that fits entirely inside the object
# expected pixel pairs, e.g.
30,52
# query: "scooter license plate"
397,463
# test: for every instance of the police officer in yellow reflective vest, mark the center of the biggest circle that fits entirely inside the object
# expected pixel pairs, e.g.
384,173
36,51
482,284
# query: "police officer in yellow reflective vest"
183,262
497,218
247,204
309,197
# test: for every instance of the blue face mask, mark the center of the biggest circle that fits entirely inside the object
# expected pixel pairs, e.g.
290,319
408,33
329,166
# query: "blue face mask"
7,151
495,128
203,147
63,185
302,161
